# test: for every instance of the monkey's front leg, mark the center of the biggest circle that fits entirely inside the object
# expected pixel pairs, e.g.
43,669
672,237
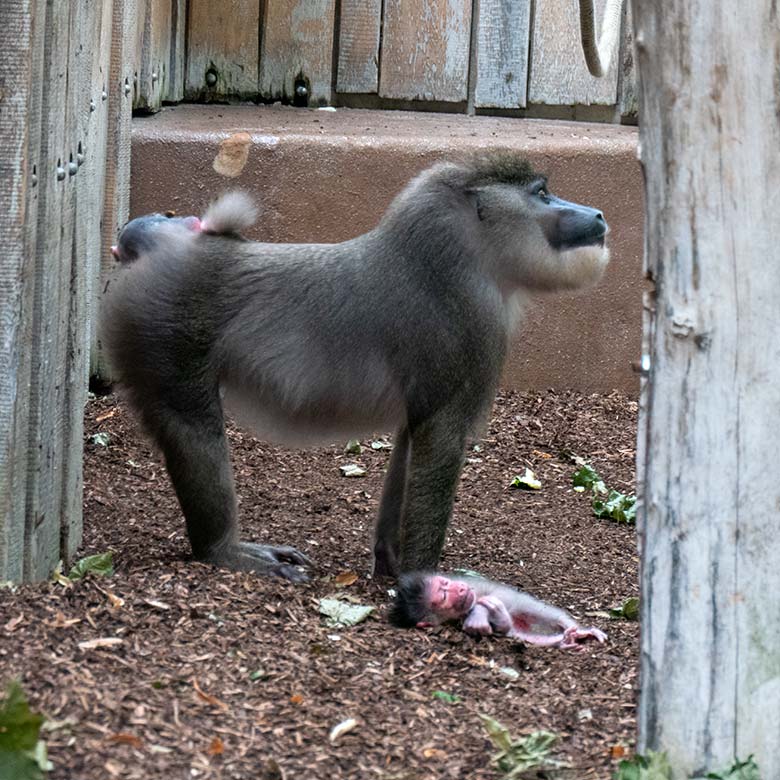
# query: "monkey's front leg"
436,460
387,534
488,616
197,458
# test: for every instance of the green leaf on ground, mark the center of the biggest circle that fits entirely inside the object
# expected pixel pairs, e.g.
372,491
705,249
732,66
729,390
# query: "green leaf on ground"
353,447
527,482
742,770
101,564
101,439
22,754
617,506
628,610
516,756
587,478
340,613
653,766
447,698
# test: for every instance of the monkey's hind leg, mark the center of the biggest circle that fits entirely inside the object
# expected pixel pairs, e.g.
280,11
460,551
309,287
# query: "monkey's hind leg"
387,534
197,457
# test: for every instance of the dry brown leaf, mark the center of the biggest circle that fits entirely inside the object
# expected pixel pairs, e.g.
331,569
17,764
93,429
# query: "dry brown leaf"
106,416
157,604
101,642
618,751
13,623
435,753
123,738
296,698
217,747
60,621
540,454
207,697
346,578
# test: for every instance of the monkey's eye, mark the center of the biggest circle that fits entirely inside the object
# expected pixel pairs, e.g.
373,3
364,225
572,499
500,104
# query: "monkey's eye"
544,195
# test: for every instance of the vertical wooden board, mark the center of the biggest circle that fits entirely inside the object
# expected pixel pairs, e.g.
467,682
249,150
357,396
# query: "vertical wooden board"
21,61
627,87
425,50
298,48
91,186
558,73
85,128
174,90
502,40
48,373
222,49
117,166
359,29
154,62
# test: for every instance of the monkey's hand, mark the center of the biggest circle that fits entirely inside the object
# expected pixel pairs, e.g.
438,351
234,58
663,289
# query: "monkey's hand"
574,636
488,616
263,559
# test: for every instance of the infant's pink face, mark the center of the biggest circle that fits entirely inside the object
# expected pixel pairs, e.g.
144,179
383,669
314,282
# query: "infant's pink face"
450,599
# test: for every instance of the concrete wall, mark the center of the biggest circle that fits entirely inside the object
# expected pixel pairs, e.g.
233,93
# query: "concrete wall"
328,175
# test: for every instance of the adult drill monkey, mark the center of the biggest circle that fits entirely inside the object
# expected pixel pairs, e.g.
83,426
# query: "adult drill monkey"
406,326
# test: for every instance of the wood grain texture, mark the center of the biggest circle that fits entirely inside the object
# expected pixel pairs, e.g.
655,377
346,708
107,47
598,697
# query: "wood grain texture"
223,41
21,65
155,54
503,40
47,440
360,24
116,199
174,87
298,46
425,50
710,136
558,73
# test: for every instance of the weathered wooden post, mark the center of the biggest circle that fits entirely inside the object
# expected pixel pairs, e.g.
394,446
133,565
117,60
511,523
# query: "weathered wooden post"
710,146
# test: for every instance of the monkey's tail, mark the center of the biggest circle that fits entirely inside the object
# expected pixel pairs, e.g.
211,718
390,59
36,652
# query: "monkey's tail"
230,213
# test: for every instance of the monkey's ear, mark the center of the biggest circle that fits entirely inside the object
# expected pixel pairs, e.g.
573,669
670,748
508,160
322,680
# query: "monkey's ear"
473,195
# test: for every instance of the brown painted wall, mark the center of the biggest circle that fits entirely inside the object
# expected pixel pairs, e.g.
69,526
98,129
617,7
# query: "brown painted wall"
328,175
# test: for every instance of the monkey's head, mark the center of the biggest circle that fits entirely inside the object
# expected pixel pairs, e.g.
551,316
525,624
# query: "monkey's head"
525,236
426,597
139,235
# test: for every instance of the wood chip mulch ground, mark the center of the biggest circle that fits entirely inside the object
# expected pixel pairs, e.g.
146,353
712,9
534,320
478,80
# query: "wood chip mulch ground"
226,675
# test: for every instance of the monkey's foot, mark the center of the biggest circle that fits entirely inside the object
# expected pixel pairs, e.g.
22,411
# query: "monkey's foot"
263,559
574,637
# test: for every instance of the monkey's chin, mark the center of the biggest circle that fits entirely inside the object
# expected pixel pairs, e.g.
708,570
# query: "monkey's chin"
585,264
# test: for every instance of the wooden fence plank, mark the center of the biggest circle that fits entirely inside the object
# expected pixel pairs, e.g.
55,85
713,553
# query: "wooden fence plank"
710,639
222,49
298,49
425,50
502,40
49,338
21,73
558,73
117,166
154,55
175,84
359,29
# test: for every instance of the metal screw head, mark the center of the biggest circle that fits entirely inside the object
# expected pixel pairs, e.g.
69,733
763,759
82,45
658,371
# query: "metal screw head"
92,105
34,180
128,88
211,78
73,169
301,91
80,159
104,95
60,173
154,77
